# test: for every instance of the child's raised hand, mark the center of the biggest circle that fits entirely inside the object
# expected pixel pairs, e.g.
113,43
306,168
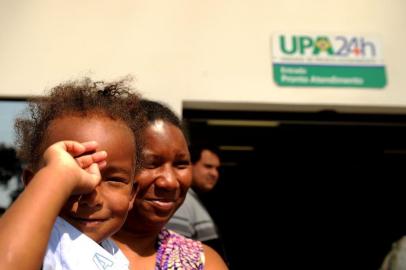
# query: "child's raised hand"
78,161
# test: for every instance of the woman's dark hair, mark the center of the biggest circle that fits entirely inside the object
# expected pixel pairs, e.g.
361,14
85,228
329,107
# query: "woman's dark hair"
77,98
155,111
158,111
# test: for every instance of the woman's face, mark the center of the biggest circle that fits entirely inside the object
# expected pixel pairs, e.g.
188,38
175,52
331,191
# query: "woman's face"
165,176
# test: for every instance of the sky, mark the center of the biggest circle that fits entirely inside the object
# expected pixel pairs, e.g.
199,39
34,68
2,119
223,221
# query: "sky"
8,112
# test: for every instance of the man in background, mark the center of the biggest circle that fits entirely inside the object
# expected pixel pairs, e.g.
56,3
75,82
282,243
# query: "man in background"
192,219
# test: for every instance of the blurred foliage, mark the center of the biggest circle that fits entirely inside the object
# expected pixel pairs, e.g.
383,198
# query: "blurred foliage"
10,165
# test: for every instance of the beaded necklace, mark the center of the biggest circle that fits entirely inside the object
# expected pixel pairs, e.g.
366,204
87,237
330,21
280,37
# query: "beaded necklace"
176,252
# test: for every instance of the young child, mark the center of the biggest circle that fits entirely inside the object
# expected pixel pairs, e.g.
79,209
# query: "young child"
79,146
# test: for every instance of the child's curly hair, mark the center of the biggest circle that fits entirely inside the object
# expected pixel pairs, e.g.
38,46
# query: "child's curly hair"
82,97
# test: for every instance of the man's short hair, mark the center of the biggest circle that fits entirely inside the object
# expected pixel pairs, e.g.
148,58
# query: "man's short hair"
196,151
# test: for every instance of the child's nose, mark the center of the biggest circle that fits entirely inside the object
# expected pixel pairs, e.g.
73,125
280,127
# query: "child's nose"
91,200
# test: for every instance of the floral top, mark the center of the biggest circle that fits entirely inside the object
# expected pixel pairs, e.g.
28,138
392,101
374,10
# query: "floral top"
176,252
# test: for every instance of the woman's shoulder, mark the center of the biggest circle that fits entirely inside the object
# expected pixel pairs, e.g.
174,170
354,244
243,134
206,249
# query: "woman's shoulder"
213,259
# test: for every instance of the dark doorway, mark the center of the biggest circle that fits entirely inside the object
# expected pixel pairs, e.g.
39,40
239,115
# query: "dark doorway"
303,189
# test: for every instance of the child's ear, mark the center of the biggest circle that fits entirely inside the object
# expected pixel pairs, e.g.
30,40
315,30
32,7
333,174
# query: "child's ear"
27,176
134,192
131,204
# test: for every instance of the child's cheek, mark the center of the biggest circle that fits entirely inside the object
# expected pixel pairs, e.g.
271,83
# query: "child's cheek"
119,204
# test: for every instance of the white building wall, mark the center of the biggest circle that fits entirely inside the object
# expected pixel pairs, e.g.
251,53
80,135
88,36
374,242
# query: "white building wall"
190,50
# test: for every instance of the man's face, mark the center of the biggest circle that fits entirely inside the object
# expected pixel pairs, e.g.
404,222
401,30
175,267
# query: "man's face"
205,171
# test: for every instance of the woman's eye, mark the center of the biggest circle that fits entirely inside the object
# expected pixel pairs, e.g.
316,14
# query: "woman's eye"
182,164
149,165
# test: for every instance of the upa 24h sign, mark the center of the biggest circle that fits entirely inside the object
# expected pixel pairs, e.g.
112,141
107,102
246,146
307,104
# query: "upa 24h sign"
328,61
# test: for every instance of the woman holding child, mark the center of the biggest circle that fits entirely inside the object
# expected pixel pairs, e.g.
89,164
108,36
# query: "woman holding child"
162,186
80,146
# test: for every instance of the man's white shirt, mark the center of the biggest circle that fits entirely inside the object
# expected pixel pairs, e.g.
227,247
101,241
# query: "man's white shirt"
68,248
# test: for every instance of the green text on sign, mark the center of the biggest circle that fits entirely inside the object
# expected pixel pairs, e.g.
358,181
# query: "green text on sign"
329,76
